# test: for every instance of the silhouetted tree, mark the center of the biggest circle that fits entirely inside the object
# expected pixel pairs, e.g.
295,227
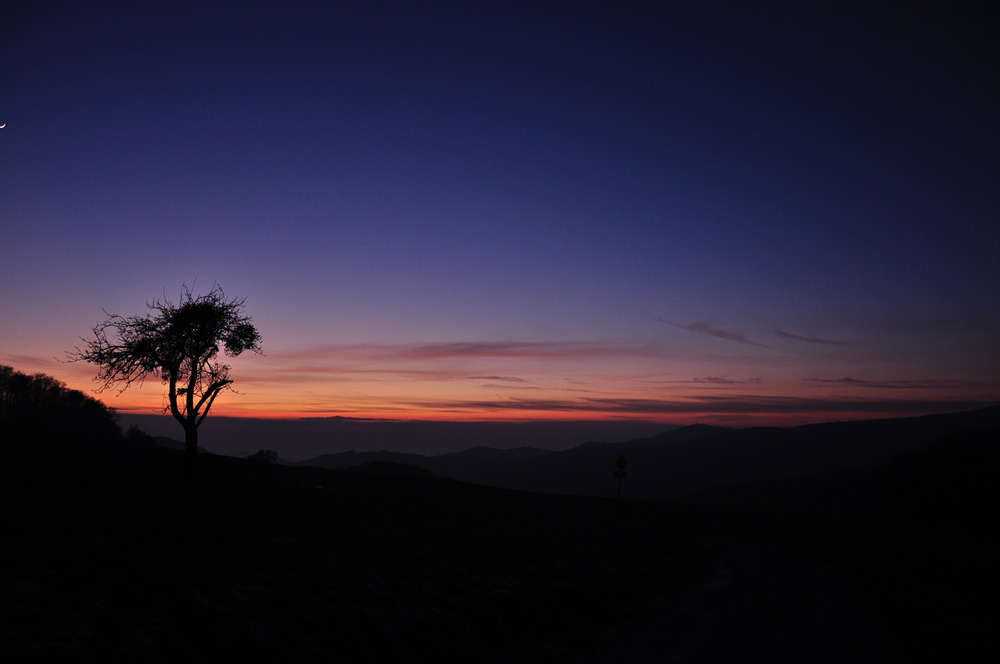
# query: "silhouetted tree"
40,406
181,344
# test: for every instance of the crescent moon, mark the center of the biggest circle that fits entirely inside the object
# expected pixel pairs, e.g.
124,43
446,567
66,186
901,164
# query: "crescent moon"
3,125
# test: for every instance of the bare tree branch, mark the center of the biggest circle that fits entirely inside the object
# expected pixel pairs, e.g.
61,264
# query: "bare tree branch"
181,344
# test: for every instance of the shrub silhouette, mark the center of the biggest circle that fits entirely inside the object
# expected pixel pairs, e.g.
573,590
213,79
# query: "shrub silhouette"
263,456
39,406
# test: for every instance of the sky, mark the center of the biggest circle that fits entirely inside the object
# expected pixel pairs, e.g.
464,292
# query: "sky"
730,213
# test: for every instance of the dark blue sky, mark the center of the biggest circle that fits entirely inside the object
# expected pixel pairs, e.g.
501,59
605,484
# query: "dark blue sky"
622,209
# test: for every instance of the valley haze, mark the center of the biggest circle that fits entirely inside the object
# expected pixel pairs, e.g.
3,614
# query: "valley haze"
300,439
576,458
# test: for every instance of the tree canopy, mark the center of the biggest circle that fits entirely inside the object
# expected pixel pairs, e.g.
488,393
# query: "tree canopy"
38,405
183,344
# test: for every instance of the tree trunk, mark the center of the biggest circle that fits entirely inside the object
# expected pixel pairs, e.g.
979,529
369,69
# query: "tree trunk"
190,452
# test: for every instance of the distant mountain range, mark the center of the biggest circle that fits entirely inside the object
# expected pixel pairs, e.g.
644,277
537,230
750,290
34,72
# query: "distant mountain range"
688,459
306,438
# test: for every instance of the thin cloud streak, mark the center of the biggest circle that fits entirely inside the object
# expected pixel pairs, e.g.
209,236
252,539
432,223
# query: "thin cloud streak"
702,327
504,379
516,349
461,361
28,360
568,350
710,380
810,339
707,405
908,384
320,374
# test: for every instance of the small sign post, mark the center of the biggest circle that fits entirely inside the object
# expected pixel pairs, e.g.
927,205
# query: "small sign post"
621,473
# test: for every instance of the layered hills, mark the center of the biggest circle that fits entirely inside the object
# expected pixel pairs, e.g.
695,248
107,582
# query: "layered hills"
688,459
854,541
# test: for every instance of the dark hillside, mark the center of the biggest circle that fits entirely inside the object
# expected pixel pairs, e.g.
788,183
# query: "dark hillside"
688,459
916,534
510,454
480,465
342,460
691,432
104,557
698,458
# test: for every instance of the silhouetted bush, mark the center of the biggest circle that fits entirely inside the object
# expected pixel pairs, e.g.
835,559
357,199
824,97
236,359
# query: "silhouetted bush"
263,456
39,407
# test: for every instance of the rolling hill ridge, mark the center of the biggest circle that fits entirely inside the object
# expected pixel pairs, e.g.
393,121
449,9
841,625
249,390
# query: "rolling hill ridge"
688,459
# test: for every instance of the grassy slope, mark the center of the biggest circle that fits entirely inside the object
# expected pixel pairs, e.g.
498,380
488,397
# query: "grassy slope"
915,534
103,556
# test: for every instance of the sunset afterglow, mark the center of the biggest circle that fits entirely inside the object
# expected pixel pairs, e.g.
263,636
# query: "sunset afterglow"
569,211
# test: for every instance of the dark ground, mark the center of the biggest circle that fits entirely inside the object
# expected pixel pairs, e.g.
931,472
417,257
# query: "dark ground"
105,558
116,562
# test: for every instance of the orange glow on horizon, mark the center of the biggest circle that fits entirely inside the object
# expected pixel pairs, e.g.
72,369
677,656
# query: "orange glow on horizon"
458,384
697,414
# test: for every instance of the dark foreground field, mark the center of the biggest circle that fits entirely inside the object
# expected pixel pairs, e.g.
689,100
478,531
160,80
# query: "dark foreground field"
112,561
104,557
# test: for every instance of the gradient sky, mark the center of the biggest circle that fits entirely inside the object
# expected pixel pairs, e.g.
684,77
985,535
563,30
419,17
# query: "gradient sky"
674,212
